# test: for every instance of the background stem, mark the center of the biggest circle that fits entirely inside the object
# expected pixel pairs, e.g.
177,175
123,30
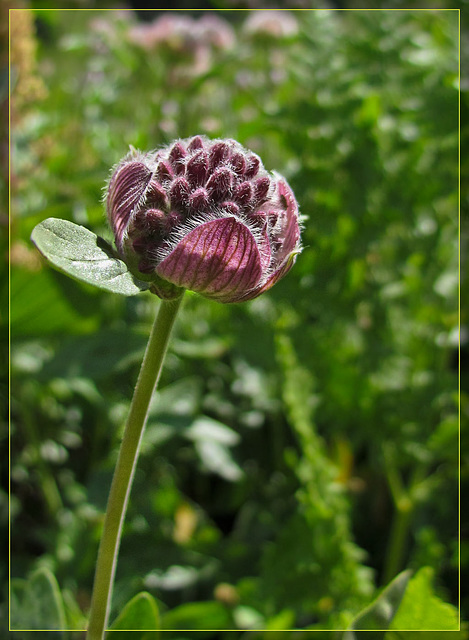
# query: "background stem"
125,467
397,540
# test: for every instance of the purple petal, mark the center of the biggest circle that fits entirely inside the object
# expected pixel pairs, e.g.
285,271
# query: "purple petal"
289,235
275,277
218,259
126,188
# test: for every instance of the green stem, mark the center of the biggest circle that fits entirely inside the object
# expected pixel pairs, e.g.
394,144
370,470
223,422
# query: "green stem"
125,468
397,539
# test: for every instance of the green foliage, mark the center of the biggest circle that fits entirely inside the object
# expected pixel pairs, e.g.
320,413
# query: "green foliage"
198,615
380,613
302,450
37,603
421,609
140,613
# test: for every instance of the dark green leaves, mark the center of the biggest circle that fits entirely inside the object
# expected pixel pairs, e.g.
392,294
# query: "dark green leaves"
83,255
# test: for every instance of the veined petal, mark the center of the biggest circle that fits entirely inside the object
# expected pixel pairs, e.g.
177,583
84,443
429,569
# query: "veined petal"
126,188
275,277
290,233
218,259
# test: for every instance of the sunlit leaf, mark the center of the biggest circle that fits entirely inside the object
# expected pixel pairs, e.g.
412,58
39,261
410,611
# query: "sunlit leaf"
422,609
83,255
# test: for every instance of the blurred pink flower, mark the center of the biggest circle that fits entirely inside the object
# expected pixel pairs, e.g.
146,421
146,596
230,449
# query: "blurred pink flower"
190,42
181,33
276,24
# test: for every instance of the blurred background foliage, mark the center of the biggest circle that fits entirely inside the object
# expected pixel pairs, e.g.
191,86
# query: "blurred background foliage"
303,448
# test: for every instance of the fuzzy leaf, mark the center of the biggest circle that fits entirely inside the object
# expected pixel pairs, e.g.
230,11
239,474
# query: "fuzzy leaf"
85,256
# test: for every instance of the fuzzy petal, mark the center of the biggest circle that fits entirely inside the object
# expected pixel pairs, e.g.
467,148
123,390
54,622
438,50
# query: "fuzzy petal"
290,233
218,259
275,277
126,189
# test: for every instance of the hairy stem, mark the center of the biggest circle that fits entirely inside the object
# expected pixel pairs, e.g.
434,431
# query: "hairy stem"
125,467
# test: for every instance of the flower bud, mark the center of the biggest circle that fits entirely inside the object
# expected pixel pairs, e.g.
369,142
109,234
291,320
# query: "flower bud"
203,215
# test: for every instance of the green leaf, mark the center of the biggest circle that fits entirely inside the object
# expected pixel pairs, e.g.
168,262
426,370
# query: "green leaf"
85,256
379,614
139,614
198,616
39,306
426,635
422,610
37,603
207,429
218,459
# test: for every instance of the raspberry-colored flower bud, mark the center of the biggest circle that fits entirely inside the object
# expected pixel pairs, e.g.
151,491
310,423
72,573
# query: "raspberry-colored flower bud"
244,194
253,163
238,163
197,167
219,184
199,199
218,152
230,207
179,192
164,171
203,215
195,143
176,157
156,194
261,188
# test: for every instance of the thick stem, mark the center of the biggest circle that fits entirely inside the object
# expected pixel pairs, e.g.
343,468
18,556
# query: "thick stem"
125,468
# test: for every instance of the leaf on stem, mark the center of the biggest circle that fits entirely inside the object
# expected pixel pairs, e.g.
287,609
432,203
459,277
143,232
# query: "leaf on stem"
84,256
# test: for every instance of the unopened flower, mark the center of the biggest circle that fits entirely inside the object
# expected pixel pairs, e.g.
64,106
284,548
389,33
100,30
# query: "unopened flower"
203,215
